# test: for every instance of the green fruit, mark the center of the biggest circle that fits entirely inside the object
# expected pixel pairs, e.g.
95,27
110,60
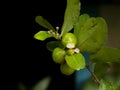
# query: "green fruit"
65,69
69,38
58,55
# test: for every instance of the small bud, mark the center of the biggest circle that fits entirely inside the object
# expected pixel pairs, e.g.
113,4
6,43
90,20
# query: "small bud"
53,33
50,31
57,28
76,50
70,45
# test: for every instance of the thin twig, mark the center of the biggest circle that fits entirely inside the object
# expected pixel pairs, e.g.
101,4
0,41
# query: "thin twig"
94,76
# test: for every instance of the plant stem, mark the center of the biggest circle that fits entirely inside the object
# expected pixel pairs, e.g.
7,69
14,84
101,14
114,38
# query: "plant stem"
93,74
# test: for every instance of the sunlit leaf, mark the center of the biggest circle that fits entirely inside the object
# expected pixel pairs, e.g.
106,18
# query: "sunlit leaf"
106,54
43,22
92,35
81,21
105,85
53,44
71,15
42,35
75,61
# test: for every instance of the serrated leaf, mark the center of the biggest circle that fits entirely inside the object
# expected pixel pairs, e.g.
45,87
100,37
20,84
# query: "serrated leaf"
42,35
92,35
105,85
43,22
75,61
106,54
100,69
71,15
53,44
81,21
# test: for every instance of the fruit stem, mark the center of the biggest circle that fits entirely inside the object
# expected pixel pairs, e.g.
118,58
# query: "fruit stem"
93,74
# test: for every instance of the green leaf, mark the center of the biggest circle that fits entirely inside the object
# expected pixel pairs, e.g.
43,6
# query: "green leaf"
90,85
43,22
114,75
71,15
42,35
53,44
117,88
106,54
75,61
100,69
105,85
81,21
92,35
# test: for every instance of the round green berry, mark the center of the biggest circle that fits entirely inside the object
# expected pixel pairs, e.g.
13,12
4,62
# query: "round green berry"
58,55
65,69
69,40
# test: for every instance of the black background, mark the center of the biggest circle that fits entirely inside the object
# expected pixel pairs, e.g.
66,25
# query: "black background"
24,59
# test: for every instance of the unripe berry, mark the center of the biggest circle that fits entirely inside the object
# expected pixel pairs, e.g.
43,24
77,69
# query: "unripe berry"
58,55
65,69
69,38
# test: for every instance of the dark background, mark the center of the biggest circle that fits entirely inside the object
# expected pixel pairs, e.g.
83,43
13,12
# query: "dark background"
24,59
